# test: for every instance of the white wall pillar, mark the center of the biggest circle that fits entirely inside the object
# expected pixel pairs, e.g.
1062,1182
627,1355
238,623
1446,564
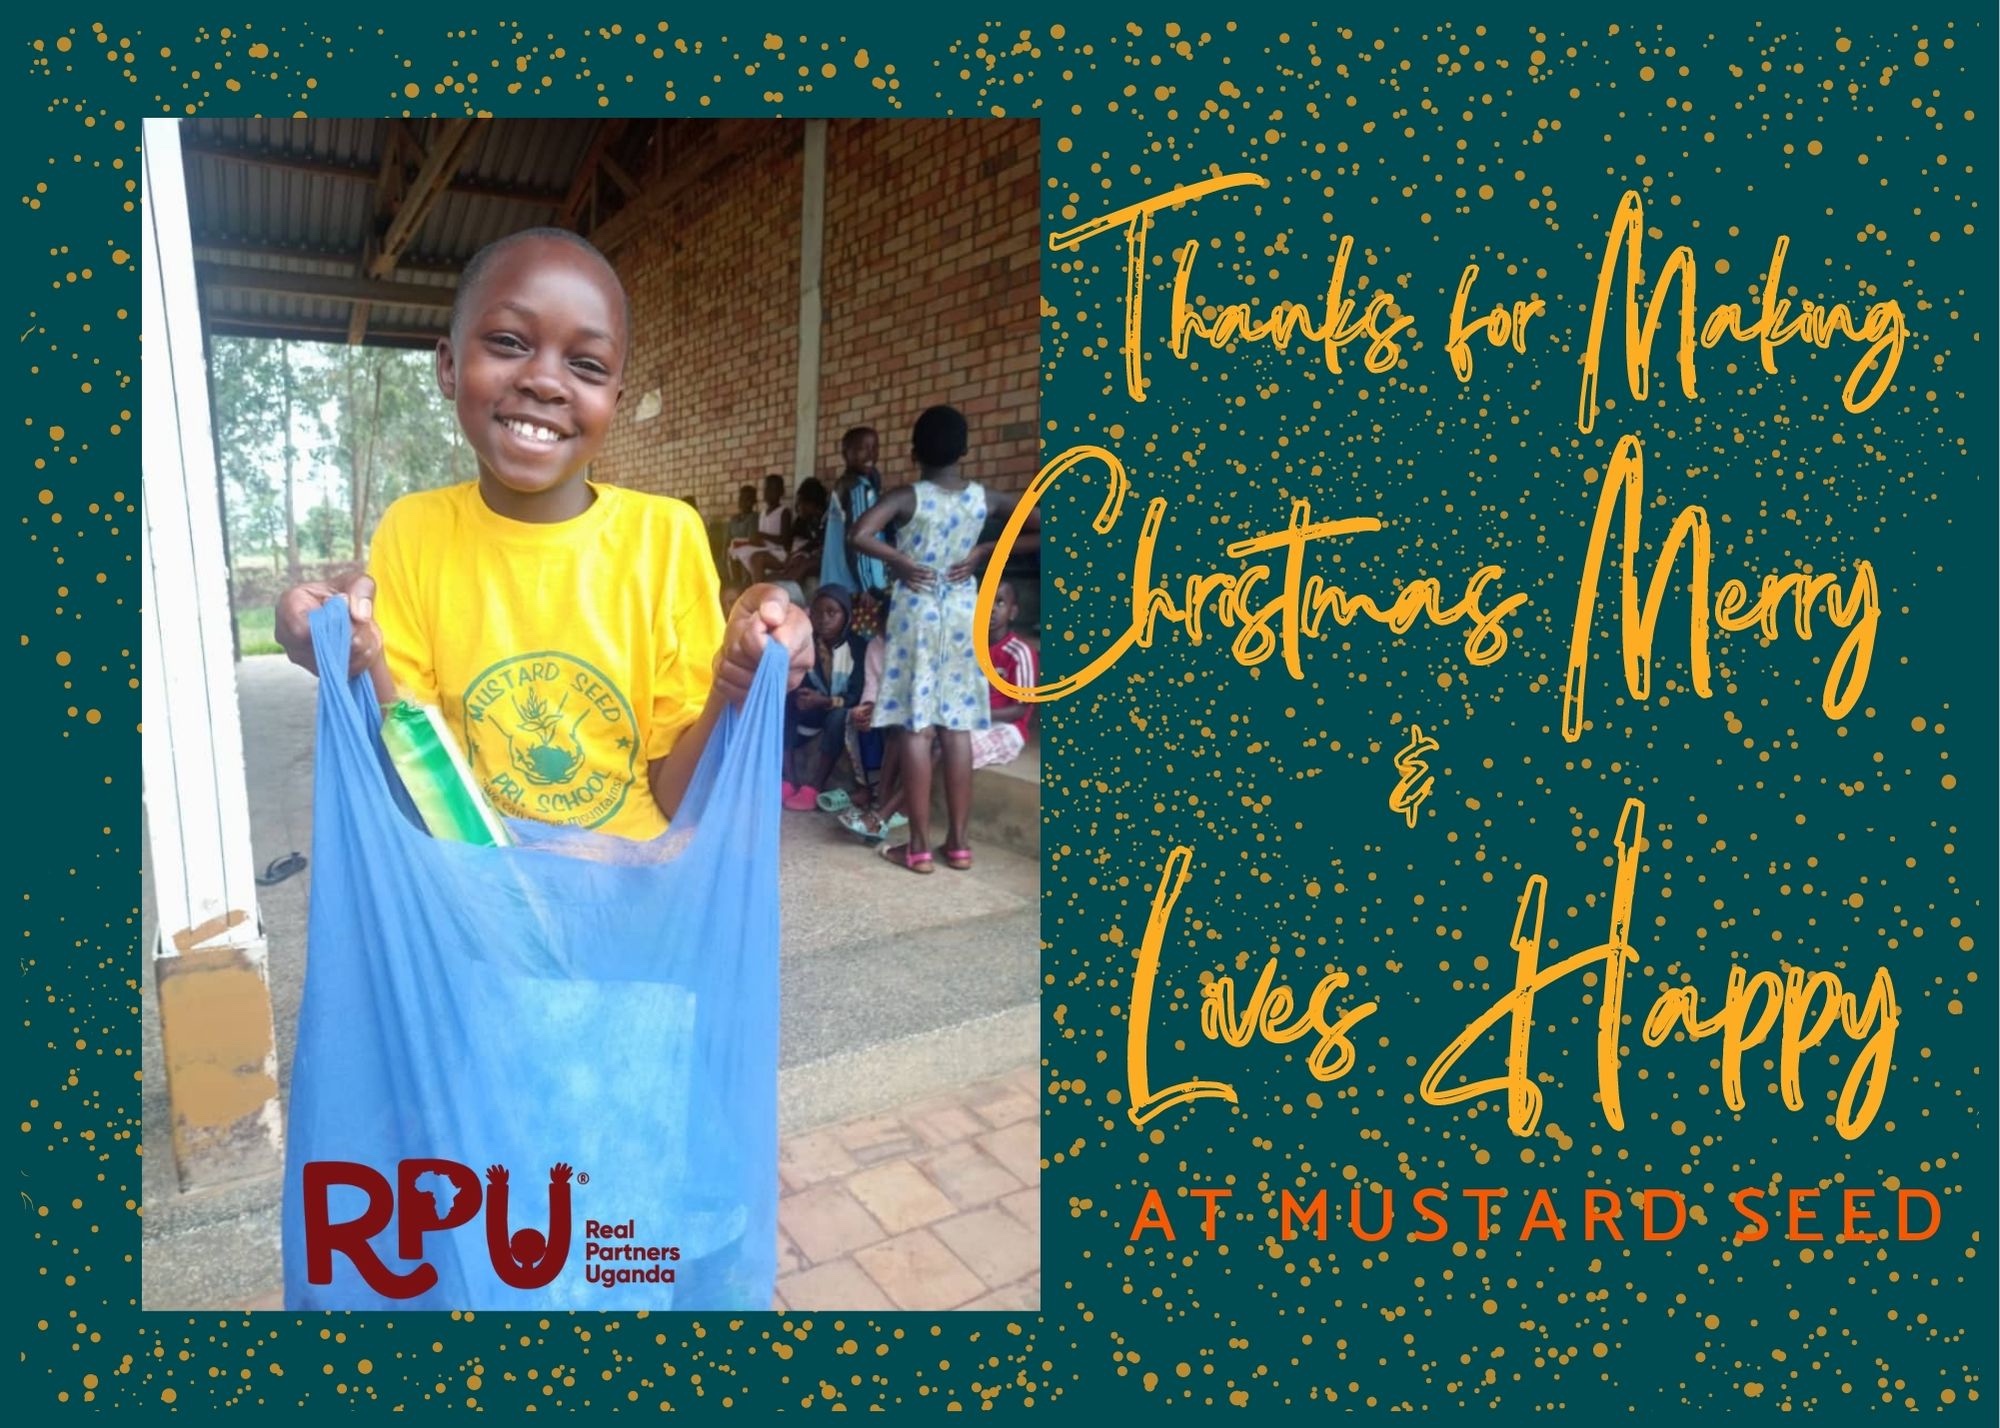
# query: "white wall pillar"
812,234
209,962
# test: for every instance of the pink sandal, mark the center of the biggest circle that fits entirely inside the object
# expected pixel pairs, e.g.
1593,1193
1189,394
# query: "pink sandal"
902,857
958,859
801,798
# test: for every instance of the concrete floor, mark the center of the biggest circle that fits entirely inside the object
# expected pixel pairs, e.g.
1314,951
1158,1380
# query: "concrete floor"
935,989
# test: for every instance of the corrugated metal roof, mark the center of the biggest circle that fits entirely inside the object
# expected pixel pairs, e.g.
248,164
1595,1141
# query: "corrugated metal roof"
288,213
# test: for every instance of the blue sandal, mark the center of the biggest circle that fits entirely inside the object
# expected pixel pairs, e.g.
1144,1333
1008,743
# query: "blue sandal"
854,820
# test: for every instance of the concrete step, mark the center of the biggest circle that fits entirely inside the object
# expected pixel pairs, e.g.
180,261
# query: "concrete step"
1006,804
874,1024
895,986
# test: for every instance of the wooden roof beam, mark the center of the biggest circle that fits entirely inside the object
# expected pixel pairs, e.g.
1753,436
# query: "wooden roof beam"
450,138
237,248
397,135
363,173
323,286
732,137
618,175
586,171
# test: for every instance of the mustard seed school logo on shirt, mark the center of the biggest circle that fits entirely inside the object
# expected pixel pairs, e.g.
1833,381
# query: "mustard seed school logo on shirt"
551,739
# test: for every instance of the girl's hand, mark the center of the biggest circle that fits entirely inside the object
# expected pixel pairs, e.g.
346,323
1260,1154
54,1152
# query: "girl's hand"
973,565
916,577
761,614
861,716
812,701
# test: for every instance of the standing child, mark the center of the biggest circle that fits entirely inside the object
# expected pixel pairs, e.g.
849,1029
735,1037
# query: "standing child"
931,677
855,490
570,635
570,632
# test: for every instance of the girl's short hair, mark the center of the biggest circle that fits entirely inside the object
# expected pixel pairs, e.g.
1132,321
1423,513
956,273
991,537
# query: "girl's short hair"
940,437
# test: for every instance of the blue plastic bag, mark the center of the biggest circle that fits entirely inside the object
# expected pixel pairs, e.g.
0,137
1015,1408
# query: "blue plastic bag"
594,1019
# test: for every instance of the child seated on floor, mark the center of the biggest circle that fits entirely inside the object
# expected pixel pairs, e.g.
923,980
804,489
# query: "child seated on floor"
808,534
1014,659
759,554
868,754
817,718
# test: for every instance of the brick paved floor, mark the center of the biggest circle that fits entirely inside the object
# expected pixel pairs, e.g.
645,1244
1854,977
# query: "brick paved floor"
935,1205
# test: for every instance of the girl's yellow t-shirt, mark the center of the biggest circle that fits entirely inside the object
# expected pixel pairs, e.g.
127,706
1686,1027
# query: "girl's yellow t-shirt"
565,656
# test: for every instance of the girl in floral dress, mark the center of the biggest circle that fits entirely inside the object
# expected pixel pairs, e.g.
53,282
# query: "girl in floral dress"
931,677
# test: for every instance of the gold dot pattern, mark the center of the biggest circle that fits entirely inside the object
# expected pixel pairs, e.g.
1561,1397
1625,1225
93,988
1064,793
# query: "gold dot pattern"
1381,159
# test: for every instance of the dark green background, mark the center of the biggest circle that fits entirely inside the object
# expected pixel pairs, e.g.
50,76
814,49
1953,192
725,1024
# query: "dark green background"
1276,784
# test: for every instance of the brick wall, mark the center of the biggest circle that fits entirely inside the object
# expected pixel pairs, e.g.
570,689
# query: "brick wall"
714,283
931,288
930,293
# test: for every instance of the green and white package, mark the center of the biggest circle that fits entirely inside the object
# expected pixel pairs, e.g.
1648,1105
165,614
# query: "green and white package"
439,780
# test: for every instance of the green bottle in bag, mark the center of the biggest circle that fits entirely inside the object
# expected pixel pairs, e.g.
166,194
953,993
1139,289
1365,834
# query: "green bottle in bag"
437,777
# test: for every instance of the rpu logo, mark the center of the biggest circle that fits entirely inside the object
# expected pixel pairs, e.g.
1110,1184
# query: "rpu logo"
526,1259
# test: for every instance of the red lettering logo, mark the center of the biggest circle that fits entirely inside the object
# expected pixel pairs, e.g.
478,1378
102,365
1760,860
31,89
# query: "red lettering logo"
526,1258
